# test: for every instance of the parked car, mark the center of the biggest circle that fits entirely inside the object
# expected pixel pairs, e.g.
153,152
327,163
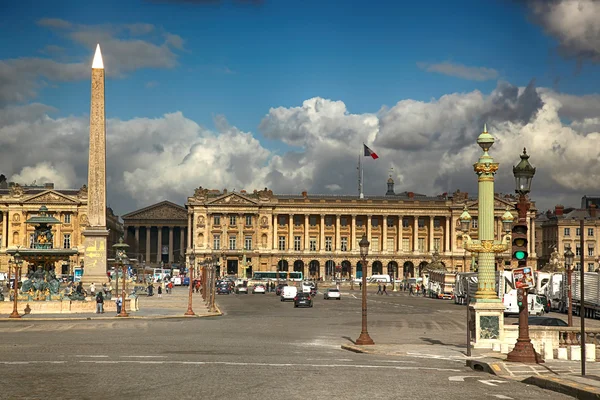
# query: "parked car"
223,289
332,294
241,289
303,300
280,288
259,289
545,321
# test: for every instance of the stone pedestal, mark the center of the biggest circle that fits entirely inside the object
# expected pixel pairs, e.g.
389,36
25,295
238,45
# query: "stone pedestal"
94,261
488,317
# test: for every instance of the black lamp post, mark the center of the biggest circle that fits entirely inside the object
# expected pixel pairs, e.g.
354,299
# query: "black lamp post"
121,259
191,267
569,258
523,351
18,261
364,338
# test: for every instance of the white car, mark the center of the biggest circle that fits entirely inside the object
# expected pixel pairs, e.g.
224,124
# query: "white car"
332,294
258,289
241,289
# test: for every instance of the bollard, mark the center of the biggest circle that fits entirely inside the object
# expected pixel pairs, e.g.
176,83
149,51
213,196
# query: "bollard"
575,353
562,353
590,352
548,350
504,348
498,347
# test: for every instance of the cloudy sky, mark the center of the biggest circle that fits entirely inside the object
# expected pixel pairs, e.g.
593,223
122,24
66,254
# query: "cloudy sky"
248,94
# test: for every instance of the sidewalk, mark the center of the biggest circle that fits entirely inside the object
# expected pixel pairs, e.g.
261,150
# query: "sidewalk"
556,375
172,305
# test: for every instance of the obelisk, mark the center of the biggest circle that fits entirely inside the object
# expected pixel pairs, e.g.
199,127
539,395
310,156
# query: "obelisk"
95,233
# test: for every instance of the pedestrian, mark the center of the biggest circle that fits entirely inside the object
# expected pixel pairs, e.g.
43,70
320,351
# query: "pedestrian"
99,303
418,290
170,287
410,290
159,291
424,290
379,289
119,304
385,290
360,285
92,289
150,289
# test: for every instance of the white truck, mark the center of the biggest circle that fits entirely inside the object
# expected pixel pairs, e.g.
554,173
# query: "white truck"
465,283
553,286
440,284
591,283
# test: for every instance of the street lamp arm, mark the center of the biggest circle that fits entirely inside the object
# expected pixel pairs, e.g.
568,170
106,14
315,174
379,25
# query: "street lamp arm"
486,246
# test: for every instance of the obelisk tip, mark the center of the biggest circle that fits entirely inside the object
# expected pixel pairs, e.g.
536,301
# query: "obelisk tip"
97,63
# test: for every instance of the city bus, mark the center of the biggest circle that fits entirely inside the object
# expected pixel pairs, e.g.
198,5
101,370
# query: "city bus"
266,275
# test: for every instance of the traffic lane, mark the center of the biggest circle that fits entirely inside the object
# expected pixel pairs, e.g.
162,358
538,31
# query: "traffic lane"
117,379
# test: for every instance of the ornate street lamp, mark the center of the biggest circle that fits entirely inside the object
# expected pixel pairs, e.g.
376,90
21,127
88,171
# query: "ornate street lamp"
364,338
191,267
18,261
569,258
212,285
121,259
523,351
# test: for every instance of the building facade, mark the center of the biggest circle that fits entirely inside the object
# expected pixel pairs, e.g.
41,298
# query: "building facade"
561,229
19,203
319,234
157,234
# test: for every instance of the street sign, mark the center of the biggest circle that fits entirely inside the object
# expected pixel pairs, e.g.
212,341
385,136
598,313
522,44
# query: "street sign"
523,277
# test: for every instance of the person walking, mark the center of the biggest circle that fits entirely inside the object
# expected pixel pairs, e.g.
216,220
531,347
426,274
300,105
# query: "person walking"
410,290
119,304
99,303
379,289
92,289
159,291
385,290
424,290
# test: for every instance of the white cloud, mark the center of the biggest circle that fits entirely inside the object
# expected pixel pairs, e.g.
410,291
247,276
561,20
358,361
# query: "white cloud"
431,146
574,23
460,71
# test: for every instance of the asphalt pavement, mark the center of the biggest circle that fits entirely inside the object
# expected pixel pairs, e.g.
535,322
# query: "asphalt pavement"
260,348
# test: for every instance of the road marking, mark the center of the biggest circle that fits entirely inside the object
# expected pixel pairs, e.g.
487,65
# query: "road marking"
143,356
460,378
278,365
328,359
31,362
396,361
91,356
501,396
489,382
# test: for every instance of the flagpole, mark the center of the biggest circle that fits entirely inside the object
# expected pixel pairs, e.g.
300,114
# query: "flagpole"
360,177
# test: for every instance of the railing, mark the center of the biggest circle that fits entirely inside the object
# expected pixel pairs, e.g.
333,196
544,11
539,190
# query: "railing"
571,336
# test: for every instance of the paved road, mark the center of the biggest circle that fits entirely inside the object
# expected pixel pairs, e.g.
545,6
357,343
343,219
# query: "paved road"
260,348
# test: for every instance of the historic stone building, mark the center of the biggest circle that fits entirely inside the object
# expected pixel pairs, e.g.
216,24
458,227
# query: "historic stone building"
18,203
319,234
561,229
157,234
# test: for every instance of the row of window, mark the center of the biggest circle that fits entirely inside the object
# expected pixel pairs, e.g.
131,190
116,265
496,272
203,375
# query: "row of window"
66,240
590,251
312,243
344,221
567,231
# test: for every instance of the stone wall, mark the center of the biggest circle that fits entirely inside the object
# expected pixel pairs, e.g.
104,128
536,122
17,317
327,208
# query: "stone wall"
65,306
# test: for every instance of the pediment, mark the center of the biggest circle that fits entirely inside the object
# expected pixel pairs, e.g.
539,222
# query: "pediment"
499,203
161,211
233,199
49,197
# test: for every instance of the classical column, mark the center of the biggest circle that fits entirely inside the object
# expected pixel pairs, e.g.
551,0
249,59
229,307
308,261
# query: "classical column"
181,242
338,245
369,232
452,234
126,228
148,244
96,234
207,222
159,245
4,242
447,236
415,233
431,233
275,224
137,241
400,232
189,229
352,241
58,237
384,244
322,233
170,244
291,232
306,235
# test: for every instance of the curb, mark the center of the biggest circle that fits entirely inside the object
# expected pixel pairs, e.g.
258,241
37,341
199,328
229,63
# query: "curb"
17,320
565,386
489,367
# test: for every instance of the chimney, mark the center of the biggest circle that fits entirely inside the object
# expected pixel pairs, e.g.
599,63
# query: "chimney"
305,194
48,185
558,210
593,210
411,195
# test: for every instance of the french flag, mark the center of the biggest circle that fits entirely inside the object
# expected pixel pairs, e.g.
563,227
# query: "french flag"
369,152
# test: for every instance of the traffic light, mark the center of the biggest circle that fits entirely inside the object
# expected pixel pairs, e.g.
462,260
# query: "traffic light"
520,298
519,243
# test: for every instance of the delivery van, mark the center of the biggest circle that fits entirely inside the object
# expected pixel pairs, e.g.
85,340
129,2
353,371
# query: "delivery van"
511,303
288,293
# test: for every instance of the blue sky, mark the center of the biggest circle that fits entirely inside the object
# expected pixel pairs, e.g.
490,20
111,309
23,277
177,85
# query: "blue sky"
240,60
301,86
